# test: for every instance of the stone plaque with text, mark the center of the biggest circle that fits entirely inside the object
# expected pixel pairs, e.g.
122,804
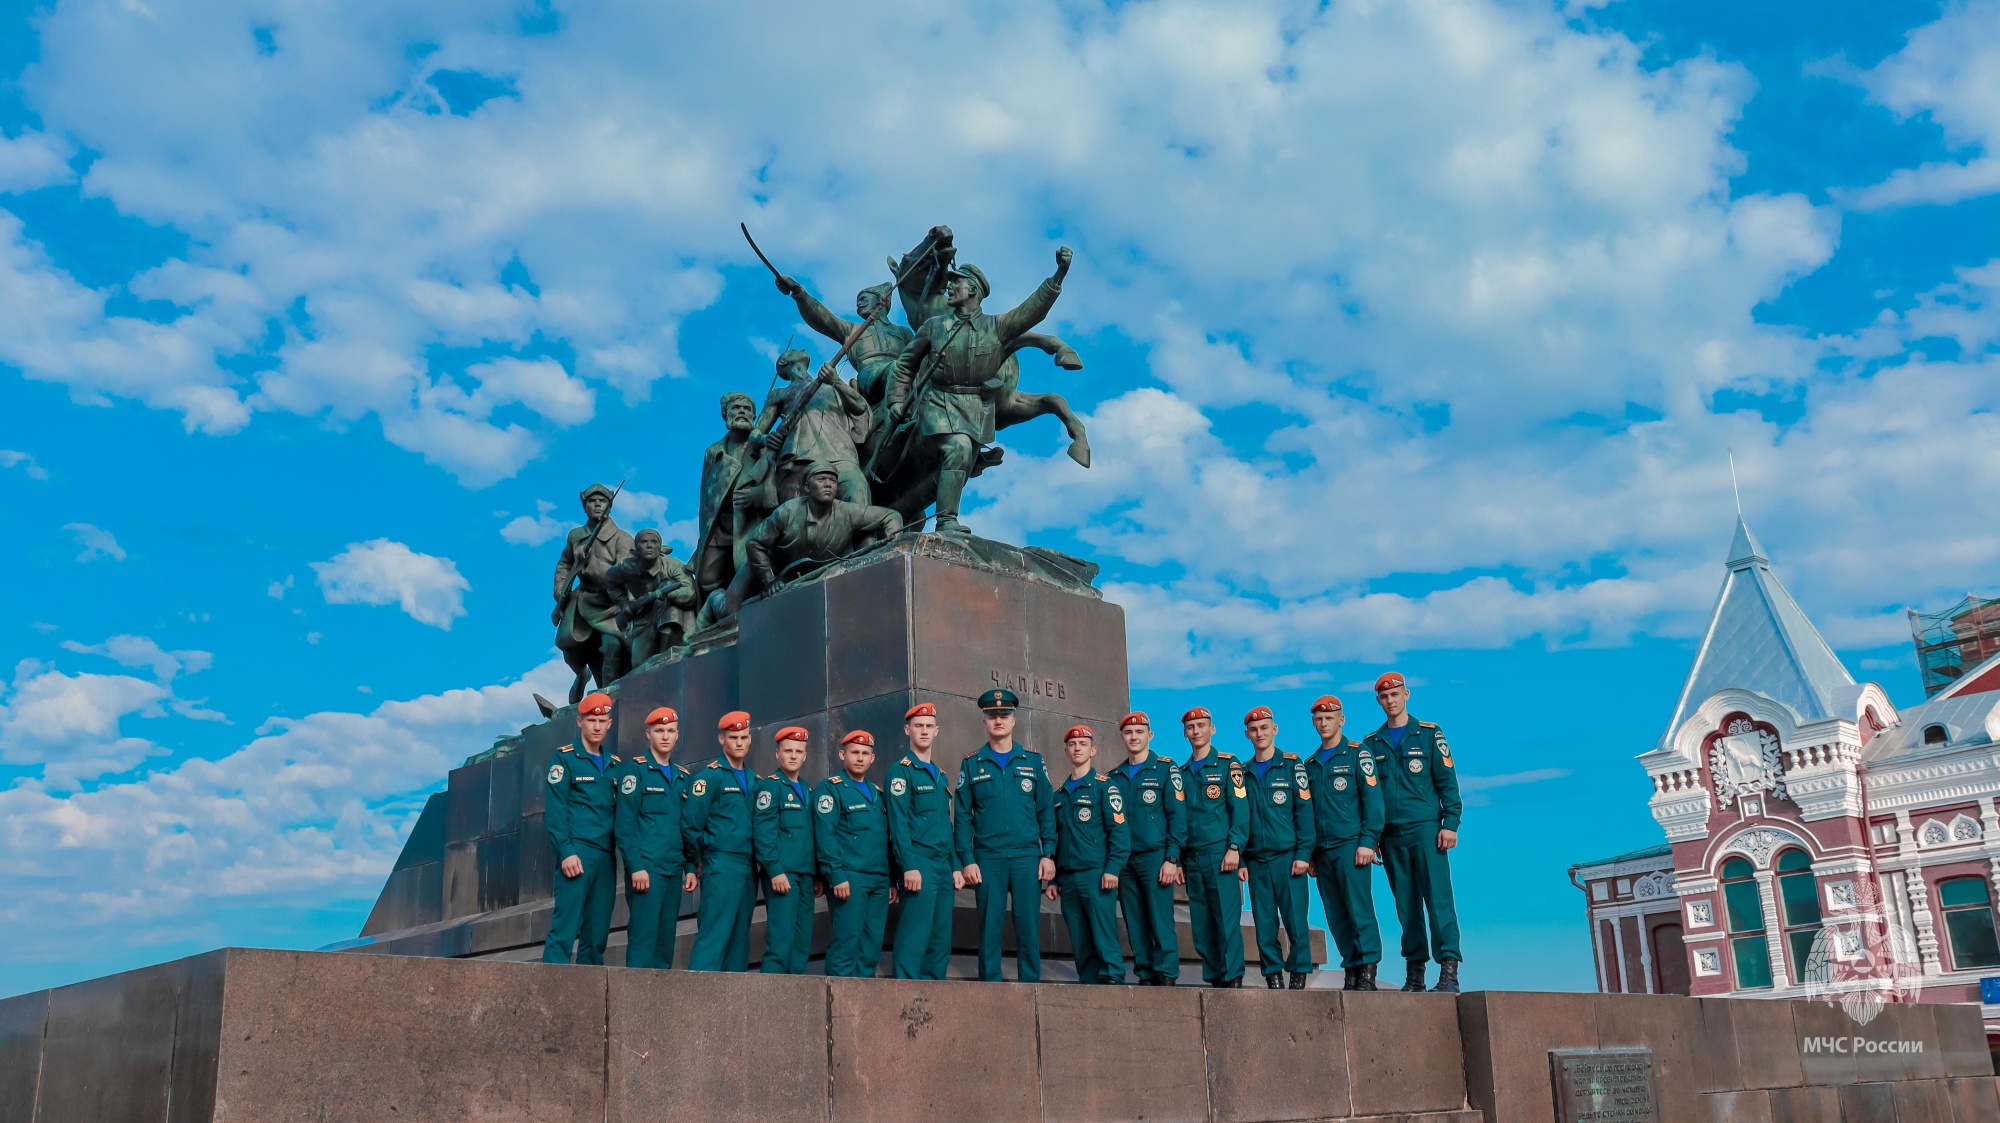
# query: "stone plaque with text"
1604,1085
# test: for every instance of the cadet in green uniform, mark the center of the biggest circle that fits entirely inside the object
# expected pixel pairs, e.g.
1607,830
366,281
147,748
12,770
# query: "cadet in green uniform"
1347,828
1218,826
651,795
921,845
579,809
1093,843
1006,835
718,825
782,838
1156,803
1421,809
1280,851
851,831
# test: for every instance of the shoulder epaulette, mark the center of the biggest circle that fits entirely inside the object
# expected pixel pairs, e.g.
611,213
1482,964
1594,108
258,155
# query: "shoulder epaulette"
569,748
639,758
716,763
615,760
906,760
1291,756
835,779
681,768
1428,724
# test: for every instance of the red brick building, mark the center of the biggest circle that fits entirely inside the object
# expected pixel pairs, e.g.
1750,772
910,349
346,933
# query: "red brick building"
1818,840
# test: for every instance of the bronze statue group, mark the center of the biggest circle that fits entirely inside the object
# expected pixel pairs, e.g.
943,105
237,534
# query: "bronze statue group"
828,466
1123,837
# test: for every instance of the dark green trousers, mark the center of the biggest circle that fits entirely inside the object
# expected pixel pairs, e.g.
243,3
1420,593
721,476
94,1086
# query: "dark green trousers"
722,932
582,913
1420,878
855,951
1215,913
1149,917
923,929
1348,892
654,920
788,926
1275,896
1091,914
1002,877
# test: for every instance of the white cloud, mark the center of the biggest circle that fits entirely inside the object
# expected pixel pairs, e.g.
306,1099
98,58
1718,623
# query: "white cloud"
32,160
96,542
139,651
312,808
276,590
1944,72
9,458
70,725
533,530
429,589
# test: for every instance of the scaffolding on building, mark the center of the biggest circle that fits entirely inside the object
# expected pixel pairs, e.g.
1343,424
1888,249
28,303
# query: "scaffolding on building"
1954,641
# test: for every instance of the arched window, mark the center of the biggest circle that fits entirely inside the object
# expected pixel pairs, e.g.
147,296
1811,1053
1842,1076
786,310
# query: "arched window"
1968,920
1745,906
1936,735
1798,897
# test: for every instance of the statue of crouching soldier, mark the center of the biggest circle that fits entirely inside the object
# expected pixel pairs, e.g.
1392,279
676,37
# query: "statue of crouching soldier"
655,595
807,533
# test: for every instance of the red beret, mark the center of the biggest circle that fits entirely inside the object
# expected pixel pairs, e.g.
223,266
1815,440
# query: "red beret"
735,721
1197,712
1326,704
1261,713
859,737
791,733
662,716
1076,731
921,709
1136,717
594,704
1390,681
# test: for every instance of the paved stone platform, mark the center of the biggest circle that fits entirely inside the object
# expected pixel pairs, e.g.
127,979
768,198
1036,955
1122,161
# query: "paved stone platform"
236,1036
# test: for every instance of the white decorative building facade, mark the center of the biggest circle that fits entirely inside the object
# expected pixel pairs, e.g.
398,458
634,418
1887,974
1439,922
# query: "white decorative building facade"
1818,840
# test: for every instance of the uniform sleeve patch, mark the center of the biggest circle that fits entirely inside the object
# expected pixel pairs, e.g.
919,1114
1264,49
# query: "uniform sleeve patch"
1367,764
825,804
898,786
555,773
1176,774
763,801
629,785
700,786
1117,801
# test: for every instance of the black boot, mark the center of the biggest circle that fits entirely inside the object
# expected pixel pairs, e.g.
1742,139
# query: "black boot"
1275,982
1413,981
1235,983
1299,980
1364,977
1350,978
1447,977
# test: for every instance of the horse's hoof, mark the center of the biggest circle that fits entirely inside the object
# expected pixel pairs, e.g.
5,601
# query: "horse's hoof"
1079,451
1068,359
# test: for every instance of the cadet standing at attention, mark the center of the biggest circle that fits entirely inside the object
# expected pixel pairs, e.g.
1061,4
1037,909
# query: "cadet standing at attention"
1006,836
1156,803
651,794
578,810
920,844
1093,843
1280,851
1347,818
782,837
851,832
1218,827
1421,809
717,822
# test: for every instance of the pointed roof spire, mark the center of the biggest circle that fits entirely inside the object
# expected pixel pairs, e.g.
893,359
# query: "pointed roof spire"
1745,548
1759,639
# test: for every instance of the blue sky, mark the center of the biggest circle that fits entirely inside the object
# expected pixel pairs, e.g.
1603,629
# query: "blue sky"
1416,336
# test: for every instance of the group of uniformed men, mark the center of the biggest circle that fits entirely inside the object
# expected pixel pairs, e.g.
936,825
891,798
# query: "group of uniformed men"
1099,842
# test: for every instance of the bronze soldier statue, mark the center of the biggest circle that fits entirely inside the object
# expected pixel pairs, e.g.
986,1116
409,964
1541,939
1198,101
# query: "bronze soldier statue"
715,559
828,429
587,630
805,533
943,394
655,595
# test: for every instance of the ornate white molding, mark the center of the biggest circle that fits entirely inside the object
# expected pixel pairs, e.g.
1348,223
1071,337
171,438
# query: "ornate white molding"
1745,761
1920,913
1759,843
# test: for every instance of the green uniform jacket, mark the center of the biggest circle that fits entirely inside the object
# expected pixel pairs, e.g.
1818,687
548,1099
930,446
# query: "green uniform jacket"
1219,808
1004,810
581,805
850,830
651,797
1281,814
920,830
1156,804
718,818
1092,835
1347,795
1419,785
781,829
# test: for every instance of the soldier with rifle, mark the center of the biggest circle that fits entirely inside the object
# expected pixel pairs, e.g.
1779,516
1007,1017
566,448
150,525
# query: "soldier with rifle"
655,596
586,618
715,559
